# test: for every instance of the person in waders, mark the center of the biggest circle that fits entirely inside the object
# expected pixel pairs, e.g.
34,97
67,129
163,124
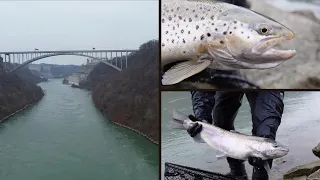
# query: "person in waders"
220,108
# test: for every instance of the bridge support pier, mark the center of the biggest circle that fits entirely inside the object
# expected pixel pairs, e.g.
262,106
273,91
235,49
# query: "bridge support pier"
126,59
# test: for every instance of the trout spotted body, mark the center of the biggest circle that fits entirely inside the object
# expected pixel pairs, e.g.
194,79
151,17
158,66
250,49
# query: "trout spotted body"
218,35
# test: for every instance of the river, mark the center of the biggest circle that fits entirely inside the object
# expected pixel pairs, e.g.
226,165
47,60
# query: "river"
299,131
65,137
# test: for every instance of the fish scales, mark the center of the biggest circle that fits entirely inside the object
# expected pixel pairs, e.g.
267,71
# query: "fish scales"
227,141
184,26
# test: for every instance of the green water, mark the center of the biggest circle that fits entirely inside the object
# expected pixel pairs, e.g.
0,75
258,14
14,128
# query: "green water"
299,130
64,137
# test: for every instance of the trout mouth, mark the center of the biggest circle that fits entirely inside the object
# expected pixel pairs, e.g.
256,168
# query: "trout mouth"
266,48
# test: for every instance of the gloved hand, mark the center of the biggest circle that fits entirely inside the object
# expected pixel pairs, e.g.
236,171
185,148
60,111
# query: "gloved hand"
196,128
256,162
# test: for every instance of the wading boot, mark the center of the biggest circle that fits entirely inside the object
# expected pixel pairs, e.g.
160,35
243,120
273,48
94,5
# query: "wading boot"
237,169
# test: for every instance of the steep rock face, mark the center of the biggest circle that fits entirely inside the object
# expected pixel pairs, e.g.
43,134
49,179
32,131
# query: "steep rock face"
17,91
99,73
131,97
29,76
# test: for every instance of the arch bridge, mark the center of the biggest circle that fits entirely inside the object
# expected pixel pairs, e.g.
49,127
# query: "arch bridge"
118,59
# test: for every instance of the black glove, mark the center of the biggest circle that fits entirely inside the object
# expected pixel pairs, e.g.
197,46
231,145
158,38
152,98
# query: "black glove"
196,128
256,162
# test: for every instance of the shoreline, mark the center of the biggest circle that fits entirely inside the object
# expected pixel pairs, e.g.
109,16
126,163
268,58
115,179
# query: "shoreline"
127,127
116,123
6,118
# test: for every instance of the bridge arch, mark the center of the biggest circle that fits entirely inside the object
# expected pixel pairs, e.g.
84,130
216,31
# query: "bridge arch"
61,54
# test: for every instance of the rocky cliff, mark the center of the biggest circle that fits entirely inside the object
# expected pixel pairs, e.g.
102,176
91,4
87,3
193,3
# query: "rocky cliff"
18,91
99,73
130,97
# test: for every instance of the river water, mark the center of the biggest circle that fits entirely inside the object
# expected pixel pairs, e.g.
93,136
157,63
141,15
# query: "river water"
299,130
65,137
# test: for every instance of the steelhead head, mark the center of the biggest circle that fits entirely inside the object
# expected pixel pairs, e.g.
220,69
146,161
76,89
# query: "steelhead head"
210,34
270,149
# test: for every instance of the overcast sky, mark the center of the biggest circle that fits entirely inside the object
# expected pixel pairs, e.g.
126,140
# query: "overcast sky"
76,25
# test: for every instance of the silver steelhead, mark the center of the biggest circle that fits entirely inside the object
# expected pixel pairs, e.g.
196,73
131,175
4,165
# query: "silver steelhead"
233,144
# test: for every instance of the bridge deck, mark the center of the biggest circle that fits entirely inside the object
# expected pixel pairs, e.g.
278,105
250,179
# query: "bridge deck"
69,51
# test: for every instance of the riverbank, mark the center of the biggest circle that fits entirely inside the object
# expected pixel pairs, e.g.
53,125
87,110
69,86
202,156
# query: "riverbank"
127,127
310,171
20,110
18,92
130,98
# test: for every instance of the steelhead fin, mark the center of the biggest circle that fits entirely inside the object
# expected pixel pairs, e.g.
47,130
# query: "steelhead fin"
267,167
183,71
179,116
176,124
177,120
220,155
198,139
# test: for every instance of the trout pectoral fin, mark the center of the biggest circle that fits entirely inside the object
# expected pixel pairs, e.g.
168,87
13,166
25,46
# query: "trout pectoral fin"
198,139
183,71
220,155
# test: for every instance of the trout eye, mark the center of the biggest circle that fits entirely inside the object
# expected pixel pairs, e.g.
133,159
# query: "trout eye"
264,29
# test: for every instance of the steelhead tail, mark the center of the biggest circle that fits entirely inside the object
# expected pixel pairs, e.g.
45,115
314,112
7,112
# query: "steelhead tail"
177,120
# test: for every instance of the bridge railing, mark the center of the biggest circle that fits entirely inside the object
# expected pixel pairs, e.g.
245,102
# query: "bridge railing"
117,59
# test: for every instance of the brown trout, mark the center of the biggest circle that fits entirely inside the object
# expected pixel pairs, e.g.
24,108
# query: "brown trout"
217,35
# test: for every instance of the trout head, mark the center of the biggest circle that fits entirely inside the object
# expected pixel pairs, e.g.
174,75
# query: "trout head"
250,40
272,149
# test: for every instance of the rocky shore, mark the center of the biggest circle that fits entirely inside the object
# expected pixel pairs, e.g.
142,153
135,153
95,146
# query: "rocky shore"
310,171
25,107
17,92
